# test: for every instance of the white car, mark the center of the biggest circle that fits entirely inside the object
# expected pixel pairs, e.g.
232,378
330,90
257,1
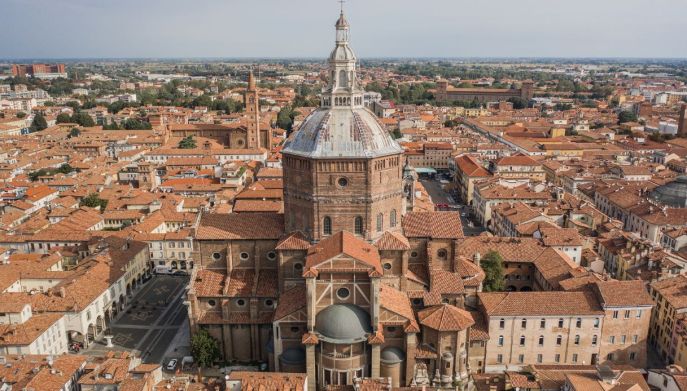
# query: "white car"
172,364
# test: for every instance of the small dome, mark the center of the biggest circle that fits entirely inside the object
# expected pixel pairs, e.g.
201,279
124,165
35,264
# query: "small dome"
392,355
342,53
341,132
293,356
343,323
672,193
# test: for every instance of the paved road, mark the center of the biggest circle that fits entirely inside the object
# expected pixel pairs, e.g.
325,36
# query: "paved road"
440,196
152,320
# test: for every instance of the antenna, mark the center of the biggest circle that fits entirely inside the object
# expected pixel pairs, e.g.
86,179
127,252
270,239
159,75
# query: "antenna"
342,3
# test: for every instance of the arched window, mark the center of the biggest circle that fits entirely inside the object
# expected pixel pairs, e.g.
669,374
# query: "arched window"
327,226
358,225
392,218
559,340
343,78
541,340
380,222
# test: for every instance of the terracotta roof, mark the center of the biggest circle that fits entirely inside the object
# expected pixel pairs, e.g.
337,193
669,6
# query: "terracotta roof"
445,317
27,332
344,243
540,303
209,283
517,160
293,241
237,226
259,381
629,293
398,302
392,241
674,290
290,301
436,225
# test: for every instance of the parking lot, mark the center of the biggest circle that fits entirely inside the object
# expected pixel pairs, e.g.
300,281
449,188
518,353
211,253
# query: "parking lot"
154,317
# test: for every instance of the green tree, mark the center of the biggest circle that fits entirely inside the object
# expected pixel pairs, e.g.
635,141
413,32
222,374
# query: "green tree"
63,118
21,114
518,102
626,116
187,143
34,175
39,123
286,117
205,350
135,124
82,119
492,264
74,132
66,168
94,201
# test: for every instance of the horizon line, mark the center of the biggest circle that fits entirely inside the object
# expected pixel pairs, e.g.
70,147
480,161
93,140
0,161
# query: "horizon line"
10,60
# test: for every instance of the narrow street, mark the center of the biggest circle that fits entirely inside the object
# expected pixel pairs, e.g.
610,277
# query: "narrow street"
440,196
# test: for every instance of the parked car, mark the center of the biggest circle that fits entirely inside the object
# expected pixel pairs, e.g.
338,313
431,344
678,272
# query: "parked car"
172,365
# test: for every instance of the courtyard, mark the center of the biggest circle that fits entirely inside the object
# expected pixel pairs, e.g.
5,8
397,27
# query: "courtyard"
152,320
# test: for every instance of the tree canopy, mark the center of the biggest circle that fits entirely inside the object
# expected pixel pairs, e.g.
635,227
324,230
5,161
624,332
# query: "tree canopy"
187,143
94,201
39,123
205,349
492,264
626,116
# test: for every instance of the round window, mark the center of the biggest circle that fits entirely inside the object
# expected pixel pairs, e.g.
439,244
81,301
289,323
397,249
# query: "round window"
216,256
387,266
243,256
391,329
417,301
413,254
271,255
211,303
240,302
298,266
342,182
269,303
343,293
295,329
442,253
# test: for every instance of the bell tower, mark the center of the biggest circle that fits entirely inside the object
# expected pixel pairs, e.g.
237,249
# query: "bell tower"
253,112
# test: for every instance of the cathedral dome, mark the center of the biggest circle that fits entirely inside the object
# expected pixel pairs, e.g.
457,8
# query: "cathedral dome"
341,132
342,127
343,323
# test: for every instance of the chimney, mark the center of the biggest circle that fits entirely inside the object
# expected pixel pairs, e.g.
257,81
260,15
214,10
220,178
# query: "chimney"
478,259
62,292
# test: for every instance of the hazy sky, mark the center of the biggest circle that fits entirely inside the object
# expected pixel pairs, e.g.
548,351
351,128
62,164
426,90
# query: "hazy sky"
379,28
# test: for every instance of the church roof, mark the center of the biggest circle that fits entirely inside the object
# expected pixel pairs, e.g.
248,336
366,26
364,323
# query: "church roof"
343,243
240,226
436,225
445,317
392,241
293,241
351,132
